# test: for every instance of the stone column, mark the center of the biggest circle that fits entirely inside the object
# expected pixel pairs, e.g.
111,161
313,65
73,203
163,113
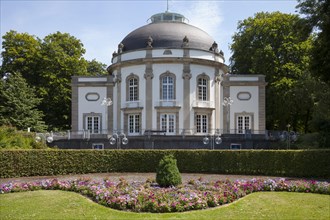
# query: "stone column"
186,75
110,85
226,109
119,98
217,80
74,104
262,103
148,76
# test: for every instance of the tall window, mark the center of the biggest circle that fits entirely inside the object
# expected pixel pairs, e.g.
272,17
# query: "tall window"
243,123
133,89
167,88
168,123
202,89
201,123
93,124
134,124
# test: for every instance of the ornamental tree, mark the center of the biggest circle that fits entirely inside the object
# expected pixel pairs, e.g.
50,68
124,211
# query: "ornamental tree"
168,173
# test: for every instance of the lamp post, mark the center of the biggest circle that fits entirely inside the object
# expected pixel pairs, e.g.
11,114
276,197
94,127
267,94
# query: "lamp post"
215,139
45,137
106,102
227,102
119,139
289,136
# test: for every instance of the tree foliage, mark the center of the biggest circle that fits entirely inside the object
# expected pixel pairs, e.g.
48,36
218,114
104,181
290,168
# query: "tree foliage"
318,17
47,65
277,45
95,68
168,172
317,14
11,138
61,58
18,104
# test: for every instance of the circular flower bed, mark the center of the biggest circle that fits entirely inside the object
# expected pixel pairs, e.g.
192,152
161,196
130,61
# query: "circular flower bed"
149,197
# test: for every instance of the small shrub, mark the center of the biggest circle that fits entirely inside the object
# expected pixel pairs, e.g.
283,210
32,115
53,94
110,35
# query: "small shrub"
168,172
11,138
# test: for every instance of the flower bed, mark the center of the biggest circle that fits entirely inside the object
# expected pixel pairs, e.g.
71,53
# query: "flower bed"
149,197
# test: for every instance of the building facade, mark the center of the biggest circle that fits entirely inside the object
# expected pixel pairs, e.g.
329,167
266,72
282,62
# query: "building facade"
167,77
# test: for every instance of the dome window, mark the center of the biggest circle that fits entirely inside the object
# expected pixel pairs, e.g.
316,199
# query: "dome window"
167,17
167,52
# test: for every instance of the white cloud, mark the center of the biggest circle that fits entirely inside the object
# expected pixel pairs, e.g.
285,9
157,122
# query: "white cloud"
205,15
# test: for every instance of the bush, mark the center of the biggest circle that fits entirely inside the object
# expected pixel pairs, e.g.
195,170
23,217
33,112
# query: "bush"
11,138
292,163
168,172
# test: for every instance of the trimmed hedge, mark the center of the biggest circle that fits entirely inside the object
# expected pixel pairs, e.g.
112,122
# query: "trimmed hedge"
295,163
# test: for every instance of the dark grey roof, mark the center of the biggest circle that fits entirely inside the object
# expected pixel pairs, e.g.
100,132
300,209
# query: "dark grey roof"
167,35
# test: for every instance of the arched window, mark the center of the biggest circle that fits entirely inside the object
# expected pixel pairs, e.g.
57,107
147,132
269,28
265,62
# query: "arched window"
167,86
202,89
132,88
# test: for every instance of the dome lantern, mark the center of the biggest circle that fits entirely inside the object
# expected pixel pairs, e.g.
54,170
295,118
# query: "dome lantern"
167,17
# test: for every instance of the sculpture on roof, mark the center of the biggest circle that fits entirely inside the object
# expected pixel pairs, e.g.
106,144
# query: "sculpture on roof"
149,42
120,48
185,42
214,47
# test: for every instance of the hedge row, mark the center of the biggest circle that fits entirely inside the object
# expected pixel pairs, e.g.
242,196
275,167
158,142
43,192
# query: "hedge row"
295,163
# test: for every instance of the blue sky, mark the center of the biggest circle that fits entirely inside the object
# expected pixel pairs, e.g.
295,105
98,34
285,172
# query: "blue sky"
101,25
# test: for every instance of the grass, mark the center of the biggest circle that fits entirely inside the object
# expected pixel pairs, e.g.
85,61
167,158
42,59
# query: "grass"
54,204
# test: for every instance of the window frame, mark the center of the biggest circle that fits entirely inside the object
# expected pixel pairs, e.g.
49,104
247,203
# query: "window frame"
167,90
93,116
133,120
134,88
203,91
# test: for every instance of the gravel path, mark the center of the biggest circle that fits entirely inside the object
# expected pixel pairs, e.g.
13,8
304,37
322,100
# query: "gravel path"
130,177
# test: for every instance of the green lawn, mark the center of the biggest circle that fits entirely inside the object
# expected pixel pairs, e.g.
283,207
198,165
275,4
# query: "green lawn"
69,205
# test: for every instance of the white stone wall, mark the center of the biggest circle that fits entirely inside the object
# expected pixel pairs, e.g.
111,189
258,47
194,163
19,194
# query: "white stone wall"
85,106
248,106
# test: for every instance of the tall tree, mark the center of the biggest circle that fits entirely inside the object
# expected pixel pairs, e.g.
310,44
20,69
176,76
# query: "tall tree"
276,45
18,104
318,17
21,52
47,65
61,58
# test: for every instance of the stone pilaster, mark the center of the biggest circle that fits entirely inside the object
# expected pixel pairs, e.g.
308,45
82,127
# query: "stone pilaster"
186,75
119,98
148,77
226,109
262,104
74,104
110,85
217,80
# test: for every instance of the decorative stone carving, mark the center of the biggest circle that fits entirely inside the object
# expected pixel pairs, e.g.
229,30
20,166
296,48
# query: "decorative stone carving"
149,42
244,96
186,75
186,71
92,96
114,54
148,74
120,48
118,78
185,42
218,75
214,47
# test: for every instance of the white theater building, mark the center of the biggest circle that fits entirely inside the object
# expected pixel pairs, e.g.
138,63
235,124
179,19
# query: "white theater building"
168,76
